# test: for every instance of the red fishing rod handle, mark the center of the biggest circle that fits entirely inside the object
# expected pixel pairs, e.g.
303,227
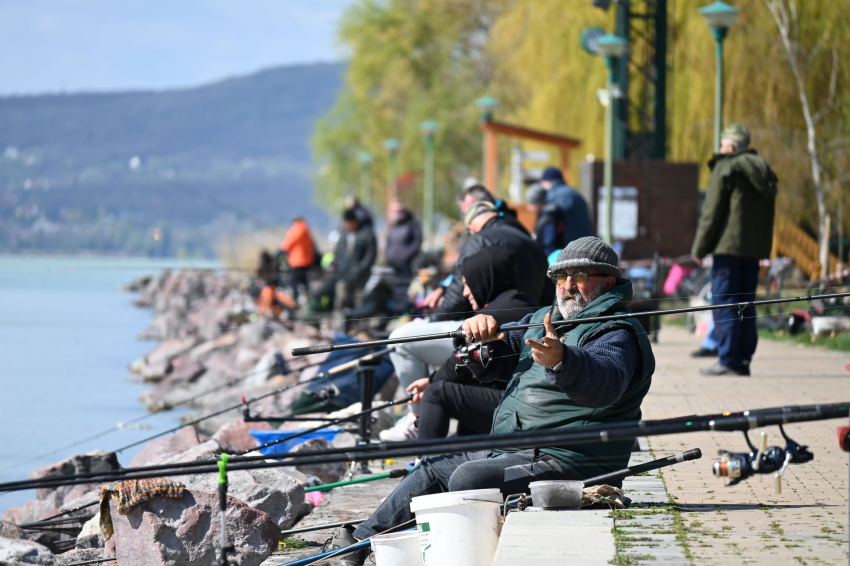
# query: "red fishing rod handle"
844,438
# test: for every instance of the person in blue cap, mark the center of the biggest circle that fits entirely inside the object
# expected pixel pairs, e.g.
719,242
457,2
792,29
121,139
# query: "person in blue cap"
559,193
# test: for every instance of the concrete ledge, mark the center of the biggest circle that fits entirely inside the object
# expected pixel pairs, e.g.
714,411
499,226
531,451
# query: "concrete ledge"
551,537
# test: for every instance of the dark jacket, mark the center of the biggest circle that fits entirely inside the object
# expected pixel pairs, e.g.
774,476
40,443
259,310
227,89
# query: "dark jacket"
403,242
737,215
355,253
530,267
492,282
576,216
538,398
549,229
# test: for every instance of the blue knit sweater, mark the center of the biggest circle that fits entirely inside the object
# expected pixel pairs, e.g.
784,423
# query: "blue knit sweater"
595,375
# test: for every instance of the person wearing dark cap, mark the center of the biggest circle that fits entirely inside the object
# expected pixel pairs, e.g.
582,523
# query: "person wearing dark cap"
354,257
595,373
736,226
558,192
549,226
452,392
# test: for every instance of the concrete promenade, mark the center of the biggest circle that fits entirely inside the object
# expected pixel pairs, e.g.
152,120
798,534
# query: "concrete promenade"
749,523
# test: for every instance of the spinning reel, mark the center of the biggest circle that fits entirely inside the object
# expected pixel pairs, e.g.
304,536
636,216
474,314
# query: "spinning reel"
474,352
739,466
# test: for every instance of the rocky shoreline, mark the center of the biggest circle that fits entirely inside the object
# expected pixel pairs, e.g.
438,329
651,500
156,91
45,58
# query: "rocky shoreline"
213,351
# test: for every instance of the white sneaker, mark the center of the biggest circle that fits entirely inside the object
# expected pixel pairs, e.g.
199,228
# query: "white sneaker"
404,429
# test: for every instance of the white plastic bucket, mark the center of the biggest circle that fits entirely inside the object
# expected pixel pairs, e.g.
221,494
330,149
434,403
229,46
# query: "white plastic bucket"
397,549
458,528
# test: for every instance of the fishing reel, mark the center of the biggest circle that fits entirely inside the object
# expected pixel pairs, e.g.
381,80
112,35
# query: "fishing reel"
475,352
738,466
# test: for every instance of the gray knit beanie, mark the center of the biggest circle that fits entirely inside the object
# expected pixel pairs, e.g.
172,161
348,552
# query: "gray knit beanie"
589,252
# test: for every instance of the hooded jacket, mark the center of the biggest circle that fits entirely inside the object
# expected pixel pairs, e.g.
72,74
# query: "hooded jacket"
298,244
355,254
549,229
737,215
529,267
491,279
576,215
403,242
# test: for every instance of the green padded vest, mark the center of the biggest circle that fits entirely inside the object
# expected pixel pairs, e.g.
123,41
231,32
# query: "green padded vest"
531,403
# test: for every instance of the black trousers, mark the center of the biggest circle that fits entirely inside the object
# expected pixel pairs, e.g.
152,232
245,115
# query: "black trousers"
472,406
298,278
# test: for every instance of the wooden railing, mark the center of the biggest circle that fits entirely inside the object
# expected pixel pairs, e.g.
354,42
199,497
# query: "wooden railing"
790,240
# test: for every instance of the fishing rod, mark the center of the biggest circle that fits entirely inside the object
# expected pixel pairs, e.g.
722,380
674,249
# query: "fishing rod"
515,440
741,306
424,444
324,425
238,457
318,377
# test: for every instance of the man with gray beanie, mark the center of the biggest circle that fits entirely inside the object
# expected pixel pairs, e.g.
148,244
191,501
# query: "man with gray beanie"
736,226
594,373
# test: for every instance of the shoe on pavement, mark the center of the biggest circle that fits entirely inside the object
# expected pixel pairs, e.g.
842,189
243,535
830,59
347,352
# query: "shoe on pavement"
720,369
704,353
343,538
404,429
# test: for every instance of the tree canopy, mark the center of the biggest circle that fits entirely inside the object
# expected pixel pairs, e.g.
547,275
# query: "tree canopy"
415,60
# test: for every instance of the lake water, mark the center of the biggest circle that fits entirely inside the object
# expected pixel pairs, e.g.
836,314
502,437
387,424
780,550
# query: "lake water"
67,336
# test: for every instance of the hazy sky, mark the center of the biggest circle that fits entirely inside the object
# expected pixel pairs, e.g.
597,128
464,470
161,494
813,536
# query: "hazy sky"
99,45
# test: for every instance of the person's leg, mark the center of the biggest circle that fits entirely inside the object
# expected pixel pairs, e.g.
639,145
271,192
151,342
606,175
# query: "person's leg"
431,475
471,405
710,342
726,288
749,334
411,360
511,472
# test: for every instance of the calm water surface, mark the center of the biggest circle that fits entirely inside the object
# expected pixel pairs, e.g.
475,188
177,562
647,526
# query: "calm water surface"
67,335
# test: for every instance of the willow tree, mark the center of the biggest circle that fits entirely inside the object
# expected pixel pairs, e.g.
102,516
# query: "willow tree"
410,61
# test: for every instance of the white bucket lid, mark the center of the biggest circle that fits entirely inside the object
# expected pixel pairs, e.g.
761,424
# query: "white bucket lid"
453,498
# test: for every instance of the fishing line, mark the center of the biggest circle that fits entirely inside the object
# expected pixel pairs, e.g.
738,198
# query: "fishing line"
147,415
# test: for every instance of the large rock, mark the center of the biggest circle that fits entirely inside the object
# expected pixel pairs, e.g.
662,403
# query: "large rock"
236,437
168,531
268,489
10,530
204,351
79,555
15,551
33,510
97,461
328,473
179,442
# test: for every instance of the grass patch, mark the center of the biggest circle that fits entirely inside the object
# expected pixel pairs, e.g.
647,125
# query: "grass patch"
841,342
292,543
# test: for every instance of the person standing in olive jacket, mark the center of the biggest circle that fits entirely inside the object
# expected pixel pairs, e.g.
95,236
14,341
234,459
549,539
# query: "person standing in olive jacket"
736,226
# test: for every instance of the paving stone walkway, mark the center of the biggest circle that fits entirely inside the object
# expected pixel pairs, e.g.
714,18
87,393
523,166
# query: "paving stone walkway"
749,523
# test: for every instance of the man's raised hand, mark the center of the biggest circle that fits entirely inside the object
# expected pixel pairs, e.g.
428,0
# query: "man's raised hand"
550,352
482,328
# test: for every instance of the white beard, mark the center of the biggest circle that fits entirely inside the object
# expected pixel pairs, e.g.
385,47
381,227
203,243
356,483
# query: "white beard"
570,305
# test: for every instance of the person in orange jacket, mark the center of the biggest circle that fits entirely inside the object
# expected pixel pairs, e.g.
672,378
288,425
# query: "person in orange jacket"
301,254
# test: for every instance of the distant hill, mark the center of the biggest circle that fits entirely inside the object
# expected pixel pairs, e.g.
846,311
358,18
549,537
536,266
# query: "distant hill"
101,172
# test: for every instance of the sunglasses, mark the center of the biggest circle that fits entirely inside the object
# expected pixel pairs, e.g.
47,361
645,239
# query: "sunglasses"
579,278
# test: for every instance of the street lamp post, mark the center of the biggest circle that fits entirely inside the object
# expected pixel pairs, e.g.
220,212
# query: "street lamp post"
428,128
490,165
365,159
719,16
611,47
392,145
